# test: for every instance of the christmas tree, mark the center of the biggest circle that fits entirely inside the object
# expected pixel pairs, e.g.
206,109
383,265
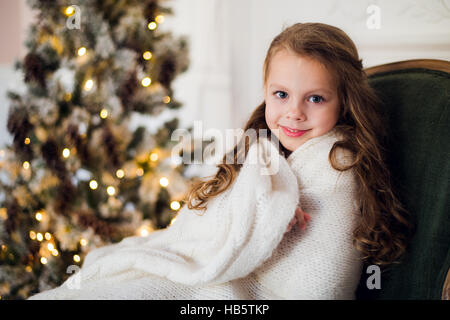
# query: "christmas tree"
76,176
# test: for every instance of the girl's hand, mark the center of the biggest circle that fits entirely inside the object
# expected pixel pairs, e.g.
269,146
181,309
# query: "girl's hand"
300,218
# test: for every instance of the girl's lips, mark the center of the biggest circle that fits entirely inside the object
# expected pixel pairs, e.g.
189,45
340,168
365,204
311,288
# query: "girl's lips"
293,134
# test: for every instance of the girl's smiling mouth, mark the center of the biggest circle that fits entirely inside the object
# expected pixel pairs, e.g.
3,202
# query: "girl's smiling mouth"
293,133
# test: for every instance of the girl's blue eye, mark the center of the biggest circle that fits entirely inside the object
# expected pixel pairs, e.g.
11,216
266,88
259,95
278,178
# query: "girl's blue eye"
282,97
316,99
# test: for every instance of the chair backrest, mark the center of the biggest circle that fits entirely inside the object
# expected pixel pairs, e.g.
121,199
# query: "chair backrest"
416,95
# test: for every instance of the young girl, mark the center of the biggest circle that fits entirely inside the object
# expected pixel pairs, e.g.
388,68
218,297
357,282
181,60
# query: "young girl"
242,242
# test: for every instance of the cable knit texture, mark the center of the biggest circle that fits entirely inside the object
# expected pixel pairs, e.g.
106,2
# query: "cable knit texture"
239,248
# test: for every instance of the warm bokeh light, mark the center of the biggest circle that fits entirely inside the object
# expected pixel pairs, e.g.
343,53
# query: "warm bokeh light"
83,242
111,190
120,173
27,141
175,205
76,258
93,184
38,216
152,25
153,156
66,152
103,113
81,51
166,99
69,11
32,235
43,260
89,85
47,236
26,165
147,55
146,82
39,236
159,19
164,182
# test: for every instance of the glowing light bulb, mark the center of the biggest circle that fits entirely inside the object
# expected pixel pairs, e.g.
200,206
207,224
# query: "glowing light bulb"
147,55
76,258
55,252
159,19
26,165
146,82
164,182
50,246
39,237
152,25
83,242
69,11
93,184
120,173
27,141
43,260
153,156
66,153
47,236
88,85
175,205
111,190
38,216
140,172
166,99
81,51
32,235
103,113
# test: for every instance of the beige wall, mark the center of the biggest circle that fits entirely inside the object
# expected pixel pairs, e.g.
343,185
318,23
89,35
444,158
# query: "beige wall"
15,17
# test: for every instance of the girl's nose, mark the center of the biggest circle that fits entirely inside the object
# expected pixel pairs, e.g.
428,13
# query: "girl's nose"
295,112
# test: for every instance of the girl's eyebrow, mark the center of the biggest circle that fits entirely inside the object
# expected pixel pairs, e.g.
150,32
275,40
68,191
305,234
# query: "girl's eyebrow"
315,90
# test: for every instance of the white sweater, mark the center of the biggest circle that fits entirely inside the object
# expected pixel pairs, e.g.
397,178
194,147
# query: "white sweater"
238,248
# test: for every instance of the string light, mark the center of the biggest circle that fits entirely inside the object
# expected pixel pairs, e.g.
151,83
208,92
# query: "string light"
32,235
103,113
39,237
111,190
55,252
164,182
69,11
120,173
153,156
88,85
166,99
159,19
81,51
76,258
93,184
26,165
47,236
146,82
147,55
28,269
50,246
38,216
66,153
3,213
27,141
172,221
152,25
140,172
83,242
43,260
175,205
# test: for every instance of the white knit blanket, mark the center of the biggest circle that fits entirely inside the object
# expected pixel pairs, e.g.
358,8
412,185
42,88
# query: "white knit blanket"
238,248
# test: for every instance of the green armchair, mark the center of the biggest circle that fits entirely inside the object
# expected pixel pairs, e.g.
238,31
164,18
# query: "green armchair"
416,96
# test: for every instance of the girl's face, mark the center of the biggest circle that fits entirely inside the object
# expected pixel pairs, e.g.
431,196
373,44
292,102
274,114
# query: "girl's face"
300,94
